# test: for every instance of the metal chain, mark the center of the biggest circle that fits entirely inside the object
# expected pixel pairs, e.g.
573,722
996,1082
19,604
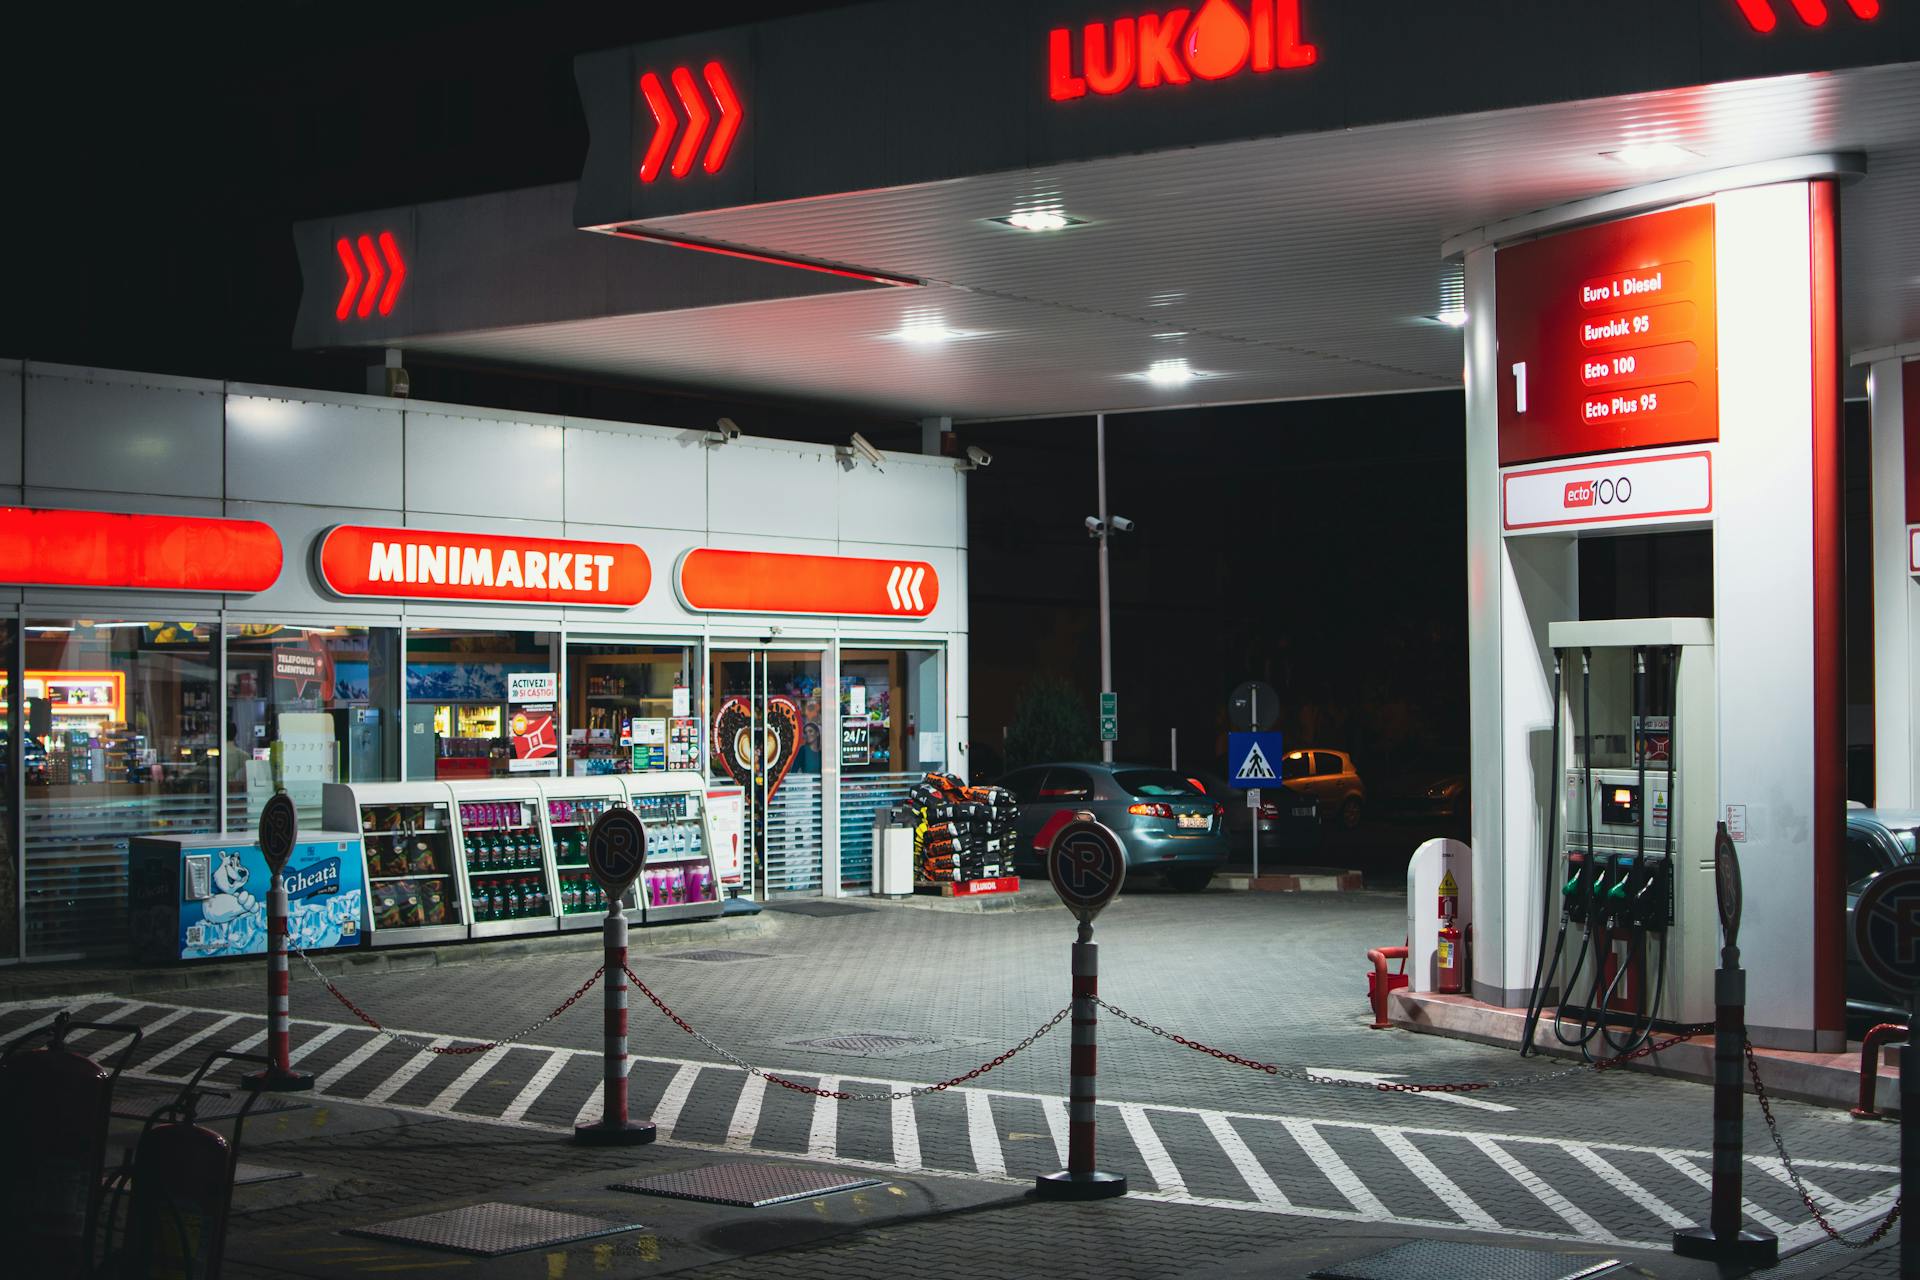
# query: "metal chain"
1391,1086
447,1051
1793,1175
842,1095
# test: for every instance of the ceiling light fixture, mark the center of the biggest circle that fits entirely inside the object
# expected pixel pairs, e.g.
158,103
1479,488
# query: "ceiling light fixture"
1453,319
928,331
1039,220
1170,373
1651,155
1171,334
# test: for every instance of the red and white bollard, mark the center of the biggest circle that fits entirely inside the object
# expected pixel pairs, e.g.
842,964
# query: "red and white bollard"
279,1076
1080,1180
615,1127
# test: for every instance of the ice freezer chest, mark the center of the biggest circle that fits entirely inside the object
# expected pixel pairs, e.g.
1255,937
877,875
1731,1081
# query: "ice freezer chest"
416,891
201,896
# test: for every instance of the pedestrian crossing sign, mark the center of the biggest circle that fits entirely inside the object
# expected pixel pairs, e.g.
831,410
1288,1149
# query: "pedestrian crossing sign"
1252,760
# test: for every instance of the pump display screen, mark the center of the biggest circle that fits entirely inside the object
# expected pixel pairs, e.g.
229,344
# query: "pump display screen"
1620,806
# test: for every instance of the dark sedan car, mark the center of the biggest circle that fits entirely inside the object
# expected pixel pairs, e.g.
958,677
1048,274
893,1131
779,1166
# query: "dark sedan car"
1289,820
1877,840
1170,827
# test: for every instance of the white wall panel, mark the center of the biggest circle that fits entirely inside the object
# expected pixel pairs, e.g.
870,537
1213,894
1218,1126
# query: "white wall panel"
122,436
1894,597
631,478
145,504
10,424
300,527
476,466
911,502
767,489
663,548
289,450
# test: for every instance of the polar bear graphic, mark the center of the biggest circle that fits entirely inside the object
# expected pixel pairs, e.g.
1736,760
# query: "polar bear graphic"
232,900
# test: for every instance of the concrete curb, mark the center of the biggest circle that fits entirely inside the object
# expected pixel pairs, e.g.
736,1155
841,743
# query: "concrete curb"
1294,882
1823,1079
29,982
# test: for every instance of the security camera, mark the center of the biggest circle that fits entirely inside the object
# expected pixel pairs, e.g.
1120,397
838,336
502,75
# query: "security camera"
866,450
728,429
1122,525
979,457
1095,527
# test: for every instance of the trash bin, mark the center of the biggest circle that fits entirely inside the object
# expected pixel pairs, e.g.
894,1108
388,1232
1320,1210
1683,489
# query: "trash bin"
893,852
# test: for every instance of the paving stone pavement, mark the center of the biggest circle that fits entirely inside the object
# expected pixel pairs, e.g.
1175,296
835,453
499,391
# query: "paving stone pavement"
1213,1150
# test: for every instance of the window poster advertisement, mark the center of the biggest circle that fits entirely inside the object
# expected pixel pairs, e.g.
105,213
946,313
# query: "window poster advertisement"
683,743
535,727
649,745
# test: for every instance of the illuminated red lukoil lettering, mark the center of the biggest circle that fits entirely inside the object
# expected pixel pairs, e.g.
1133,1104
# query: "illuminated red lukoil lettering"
1218,40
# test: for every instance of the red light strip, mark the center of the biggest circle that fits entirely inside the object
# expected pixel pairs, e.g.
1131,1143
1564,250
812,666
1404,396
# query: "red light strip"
1812,12
396,271
730,114
1865,10
664,124
772,259
376,272
343,308
697,119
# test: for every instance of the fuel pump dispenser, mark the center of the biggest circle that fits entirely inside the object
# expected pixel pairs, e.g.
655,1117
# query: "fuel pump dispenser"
1628,866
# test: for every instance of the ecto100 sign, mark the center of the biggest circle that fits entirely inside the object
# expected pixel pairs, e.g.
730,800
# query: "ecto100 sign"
1608,338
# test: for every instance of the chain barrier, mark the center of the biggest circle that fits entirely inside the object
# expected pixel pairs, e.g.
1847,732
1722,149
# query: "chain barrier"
1393,1086
842,1095
1793,1174
446,1051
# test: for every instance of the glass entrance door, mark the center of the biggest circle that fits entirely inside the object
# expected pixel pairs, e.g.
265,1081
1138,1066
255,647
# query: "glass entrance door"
766,734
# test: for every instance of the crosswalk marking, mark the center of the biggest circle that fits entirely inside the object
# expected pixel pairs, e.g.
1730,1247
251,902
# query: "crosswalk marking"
1771,1165
153,1064
823,1133
542,1077
906,1134
1584,1171
1579,1219
1166,1175
1627,1187
1437,1182
1263,1187
983,1137
746,1112
448,1098
112,1046
1335,1168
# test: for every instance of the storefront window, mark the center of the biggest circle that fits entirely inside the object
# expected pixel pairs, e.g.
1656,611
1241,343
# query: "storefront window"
10,761
307,706
120,738
476,707
892,731
633,708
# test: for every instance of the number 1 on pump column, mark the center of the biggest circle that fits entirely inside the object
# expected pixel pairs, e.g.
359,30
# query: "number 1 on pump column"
1520,387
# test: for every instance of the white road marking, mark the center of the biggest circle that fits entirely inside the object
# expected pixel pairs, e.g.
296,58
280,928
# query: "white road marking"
983,1136
113,1046
1055,1110
1152,1151
1373,1077
449,1097
906,1133
1437,1182
1627,1186
311,1043
746,1112
1335,1168
1582,1222
151,1065
345,1067
823,1134
406,1071
1264,1189
542,1077
1830,1203
1748,1207
667,1114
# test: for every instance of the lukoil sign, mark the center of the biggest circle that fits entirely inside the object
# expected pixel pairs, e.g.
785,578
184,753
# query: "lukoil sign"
1219,40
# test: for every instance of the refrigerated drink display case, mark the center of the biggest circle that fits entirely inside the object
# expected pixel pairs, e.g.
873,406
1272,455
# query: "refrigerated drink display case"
415,889
503,848
201,896
572,805
680,880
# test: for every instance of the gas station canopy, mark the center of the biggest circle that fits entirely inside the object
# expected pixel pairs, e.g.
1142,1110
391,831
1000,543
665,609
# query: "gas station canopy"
1016,209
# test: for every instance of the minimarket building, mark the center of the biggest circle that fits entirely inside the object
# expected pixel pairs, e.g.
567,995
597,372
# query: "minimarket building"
1657,243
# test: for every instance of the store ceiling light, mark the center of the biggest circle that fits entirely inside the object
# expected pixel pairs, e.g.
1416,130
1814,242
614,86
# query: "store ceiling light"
1170,373
1453,319
1652,155
929,331
1171,334
1039,220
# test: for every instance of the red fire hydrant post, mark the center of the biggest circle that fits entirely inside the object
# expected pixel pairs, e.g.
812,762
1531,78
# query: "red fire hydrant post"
616,851
1086,864
279,832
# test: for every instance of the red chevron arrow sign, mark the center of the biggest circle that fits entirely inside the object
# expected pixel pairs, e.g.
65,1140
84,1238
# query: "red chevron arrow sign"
375,271
1763,15
666,124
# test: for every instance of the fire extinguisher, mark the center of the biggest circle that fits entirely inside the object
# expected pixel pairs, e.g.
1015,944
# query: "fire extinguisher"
1450,961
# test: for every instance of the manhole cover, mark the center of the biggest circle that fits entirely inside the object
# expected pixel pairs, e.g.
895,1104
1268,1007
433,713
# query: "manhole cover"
748,1184
818,907
716,955
1442,1260
489,1230
874,1044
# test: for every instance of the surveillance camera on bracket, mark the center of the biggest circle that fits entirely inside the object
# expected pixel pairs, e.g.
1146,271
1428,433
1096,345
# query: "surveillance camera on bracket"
1122,525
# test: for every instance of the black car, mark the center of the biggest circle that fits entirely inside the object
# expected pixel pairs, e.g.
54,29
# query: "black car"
1289,819
1878,840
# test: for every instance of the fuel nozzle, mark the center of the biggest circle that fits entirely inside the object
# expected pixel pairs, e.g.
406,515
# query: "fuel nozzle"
1576,894
1651,895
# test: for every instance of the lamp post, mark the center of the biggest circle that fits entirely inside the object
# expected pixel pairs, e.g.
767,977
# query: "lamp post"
1099,528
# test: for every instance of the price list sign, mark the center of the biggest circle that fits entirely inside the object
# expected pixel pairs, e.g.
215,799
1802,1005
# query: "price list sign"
1608,338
